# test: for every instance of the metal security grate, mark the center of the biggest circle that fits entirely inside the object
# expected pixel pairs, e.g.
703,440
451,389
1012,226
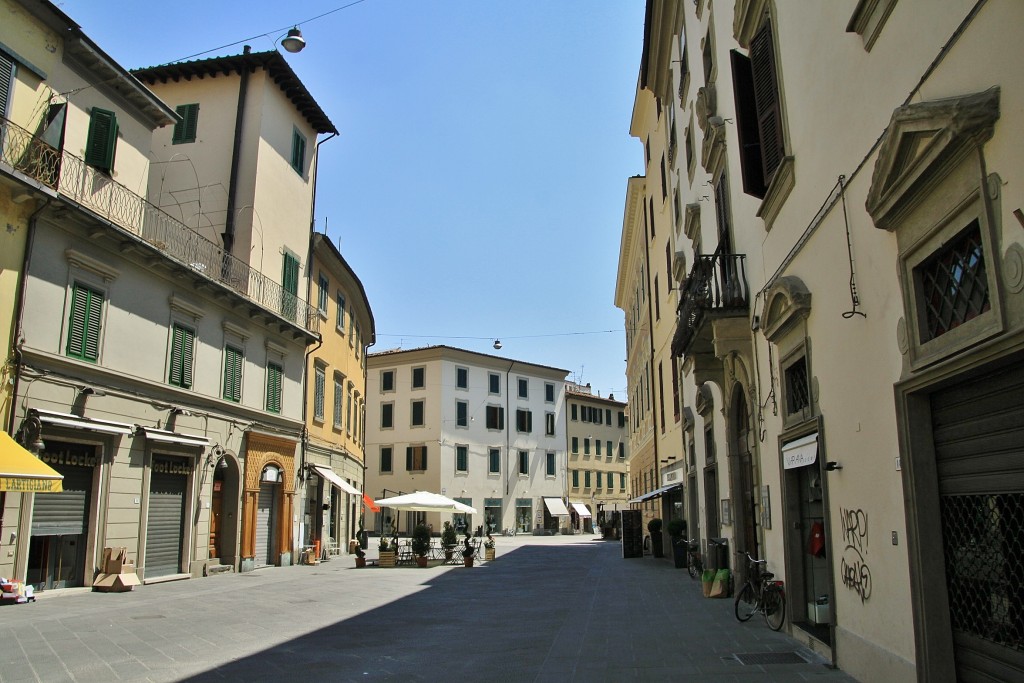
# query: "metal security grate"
954,286
798,395
757,658
984,551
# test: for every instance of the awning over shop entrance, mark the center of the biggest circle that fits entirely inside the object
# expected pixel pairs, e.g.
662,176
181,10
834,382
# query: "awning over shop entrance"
23,472
581,510
49,417
656,493
328,474
556,507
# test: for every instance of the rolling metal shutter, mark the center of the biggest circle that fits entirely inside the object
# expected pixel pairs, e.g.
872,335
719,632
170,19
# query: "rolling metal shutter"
165,526
978,432
265,525
65,513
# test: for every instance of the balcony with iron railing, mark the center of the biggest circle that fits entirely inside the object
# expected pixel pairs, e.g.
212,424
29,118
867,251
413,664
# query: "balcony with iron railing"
716,287
96,192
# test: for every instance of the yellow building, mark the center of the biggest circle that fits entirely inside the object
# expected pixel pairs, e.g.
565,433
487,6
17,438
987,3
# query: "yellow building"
336,400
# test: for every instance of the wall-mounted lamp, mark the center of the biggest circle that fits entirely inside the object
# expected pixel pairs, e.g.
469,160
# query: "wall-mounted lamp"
293,41
271,475
497,344
832,466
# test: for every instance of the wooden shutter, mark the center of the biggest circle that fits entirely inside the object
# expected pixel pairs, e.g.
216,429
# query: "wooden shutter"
408,458
6,74
181,357
185,129
751,166
290,275
274,373
84,327
232,374
722,216
766,100
102,140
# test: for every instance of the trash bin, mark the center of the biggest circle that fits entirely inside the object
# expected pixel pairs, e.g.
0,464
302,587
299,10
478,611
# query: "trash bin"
718,553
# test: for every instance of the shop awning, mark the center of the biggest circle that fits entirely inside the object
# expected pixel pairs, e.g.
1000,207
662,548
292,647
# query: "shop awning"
328,474
556,507
76,422
23,472
163,436
803,451
581,510
368,502
656,493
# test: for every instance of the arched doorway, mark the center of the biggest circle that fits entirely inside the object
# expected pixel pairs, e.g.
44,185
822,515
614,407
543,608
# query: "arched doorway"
224,501
744,481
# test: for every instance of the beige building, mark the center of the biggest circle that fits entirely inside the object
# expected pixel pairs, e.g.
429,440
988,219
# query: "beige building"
335,401
598,452
485,430
850,322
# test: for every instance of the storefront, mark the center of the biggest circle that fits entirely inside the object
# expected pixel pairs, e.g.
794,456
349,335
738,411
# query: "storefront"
524,511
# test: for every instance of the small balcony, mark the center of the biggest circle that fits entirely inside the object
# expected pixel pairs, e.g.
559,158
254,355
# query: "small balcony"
715,288
96,192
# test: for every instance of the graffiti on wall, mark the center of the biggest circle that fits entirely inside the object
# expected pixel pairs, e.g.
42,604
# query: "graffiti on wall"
854,568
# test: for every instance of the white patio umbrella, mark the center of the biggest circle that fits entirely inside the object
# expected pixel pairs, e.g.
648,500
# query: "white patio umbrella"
424,501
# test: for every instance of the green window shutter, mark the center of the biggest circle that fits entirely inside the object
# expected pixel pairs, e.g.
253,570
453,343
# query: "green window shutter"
274,372
84,326
102,141
319,388
290,274
185,129
232,374
298,151
6,73
182,348
408,458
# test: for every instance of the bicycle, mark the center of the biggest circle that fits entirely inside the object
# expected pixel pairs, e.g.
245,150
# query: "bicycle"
694,561
761,594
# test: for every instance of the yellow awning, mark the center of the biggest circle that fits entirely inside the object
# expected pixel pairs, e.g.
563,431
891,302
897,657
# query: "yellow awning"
23,472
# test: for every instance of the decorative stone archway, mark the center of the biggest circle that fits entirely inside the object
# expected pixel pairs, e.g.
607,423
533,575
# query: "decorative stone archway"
263,450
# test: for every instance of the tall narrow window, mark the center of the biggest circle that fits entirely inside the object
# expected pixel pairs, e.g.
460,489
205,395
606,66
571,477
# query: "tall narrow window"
319,389
462,458
419,380
386,459
182,349
290,285
550,464
493,383
461,414
549,392
575,479
549,424
524,421
462,378
524,462
298,152
6,74
495,417
417,414
416,458
340,313
387,380
575,444
185,129
84,326
232,374
321,294
274,375
387,415
494,461
524,388
339,399
101,144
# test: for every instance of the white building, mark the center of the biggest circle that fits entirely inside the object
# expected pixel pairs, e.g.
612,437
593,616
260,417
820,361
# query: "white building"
484,430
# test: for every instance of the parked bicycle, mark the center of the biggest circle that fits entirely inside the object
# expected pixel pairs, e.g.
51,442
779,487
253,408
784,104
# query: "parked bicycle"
694,561
761,594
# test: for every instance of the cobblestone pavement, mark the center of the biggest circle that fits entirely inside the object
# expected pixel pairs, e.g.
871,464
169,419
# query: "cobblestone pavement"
562,608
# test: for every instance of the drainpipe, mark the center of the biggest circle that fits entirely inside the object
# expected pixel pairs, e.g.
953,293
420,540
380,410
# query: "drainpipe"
229,222
19,309
654,408
508,420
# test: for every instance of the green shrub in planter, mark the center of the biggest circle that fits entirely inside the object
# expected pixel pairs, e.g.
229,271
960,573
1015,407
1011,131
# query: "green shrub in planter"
420,540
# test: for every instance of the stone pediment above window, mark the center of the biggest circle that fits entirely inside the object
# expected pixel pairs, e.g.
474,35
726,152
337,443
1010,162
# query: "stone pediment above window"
924,142
746,19
786,303
705,399
691,226
705,106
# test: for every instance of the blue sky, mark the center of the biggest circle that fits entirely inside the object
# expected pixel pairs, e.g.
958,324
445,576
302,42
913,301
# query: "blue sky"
477,186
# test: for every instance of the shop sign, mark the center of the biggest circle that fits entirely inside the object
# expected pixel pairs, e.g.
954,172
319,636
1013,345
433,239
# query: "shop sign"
70,457
800,453
169,466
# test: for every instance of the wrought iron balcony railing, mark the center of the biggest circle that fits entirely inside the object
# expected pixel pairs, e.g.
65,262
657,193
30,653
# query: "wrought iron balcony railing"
716,284
71,177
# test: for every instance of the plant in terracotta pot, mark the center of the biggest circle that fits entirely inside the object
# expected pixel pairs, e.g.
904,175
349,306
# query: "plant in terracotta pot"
657,542
489,548
468,550
677,532
421,544
449,540
360,556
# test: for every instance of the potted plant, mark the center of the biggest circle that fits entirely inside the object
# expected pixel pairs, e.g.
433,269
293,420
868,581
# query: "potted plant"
361,536
489,548
387,552
421,544
360,556
657,543
677,532
449,540
467,551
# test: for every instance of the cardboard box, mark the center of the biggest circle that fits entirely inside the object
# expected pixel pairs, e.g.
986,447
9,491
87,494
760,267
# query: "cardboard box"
116,583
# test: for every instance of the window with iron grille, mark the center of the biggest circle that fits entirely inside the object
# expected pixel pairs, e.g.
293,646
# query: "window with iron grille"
182,354
84,324
275,373
798,397
185,129
232,374
953,284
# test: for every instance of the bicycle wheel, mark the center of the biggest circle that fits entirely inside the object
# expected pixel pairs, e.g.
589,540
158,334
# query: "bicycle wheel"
774,607
695,567
746,602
